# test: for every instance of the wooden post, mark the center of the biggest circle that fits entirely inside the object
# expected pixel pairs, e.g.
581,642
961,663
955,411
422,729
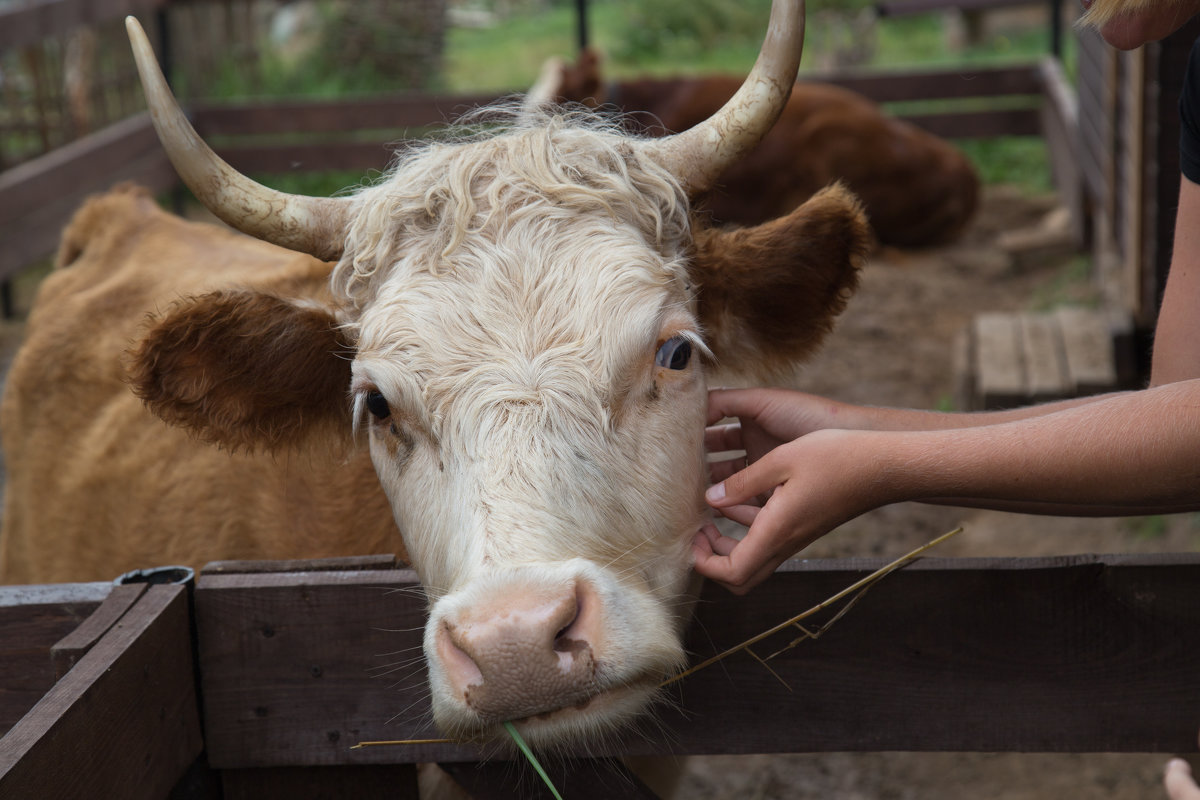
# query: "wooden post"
123,722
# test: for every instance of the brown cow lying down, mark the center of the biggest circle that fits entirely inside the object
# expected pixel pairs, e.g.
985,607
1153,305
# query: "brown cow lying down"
918,189
502,378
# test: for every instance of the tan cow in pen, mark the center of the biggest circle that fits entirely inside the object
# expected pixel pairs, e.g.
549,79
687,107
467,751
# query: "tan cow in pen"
493,361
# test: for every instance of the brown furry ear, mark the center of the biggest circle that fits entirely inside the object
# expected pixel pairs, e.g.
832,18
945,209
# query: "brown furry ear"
769,294
244,369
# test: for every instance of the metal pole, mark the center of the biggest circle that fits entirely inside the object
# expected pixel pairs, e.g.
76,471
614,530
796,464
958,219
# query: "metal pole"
581,23
1056,28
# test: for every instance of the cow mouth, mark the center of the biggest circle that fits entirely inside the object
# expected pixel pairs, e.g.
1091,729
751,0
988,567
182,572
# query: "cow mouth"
590,720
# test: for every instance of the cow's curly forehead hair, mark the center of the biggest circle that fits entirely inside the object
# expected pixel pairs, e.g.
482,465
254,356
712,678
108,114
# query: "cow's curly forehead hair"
1101,11
530,167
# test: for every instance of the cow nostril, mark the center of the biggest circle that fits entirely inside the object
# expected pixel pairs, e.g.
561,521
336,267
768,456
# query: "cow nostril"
569,636
456,660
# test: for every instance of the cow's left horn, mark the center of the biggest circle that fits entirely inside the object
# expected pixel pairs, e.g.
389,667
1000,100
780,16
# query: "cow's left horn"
309,224
698,155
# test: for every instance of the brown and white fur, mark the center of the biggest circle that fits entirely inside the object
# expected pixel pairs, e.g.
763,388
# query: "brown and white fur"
519,325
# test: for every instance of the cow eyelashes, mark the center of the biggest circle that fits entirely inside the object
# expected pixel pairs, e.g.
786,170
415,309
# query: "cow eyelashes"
377,404
674,353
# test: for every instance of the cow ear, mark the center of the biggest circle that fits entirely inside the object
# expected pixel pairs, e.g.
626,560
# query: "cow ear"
245,370
770,294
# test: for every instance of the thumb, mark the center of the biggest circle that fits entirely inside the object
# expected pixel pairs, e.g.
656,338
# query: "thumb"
756,479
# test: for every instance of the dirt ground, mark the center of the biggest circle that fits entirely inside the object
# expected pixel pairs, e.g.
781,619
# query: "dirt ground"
893,346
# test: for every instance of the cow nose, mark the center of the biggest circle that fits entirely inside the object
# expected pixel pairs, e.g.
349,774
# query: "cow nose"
522,652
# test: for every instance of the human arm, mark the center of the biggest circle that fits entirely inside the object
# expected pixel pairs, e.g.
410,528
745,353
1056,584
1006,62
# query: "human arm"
1176,356
1127,453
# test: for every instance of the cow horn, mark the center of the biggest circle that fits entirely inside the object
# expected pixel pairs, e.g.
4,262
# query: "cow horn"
308,224
698,155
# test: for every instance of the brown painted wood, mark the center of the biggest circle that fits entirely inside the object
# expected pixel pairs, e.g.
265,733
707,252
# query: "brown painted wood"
359,157
978,124
32,619
578,779
899,8
67,651
39,197
387,113
1062,654
884,86
123,722
30,22
82,163
376,782
342,563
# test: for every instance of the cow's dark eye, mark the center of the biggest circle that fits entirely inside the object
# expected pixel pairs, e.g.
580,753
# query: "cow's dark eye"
377,404
674,353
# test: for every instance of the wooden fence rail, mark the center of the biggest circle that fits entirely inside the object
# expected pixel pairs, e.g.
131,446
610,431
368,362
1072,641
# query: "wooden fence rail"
1078,654
38,197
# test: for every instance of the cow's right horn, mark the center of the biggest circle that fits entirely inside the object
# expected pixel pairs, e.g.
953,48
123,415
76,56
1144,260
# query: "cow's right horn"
309,224
698,155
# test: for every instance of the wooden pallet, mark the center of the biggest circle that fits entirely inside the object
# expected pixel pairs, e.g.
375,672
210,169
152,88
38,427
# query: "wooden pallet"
1014,359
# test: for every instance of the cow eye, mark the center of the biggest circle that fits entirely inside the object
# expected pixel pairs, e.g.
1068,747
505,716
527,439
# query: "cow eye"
674,353
377,404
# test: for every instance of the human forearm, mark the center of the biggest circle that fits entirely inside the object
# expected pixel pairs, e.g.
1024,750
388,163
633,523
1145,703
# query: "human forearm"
880,418
1126,453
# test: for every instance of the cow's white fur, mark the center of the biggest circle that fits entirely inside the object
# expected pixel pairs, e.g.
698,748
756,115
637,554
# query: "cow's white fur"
508,296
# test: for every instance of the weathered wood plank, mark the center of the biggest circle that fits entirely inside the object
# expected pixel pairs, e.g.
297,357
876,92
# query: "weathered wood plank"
387,113
999,371
579,779
30,22
73,167
899,8
123,722
373,782
32,619
1060,126
1063,654
884,86
1045,363
978,124
67,651
345,564
1088,344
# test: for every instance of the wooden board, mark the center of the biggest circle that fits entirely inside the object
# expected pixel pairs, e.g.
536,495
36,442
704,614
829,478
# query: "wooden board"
122,723
1060,654
384,781
30,22
1022,358
32,619
38,198
67,651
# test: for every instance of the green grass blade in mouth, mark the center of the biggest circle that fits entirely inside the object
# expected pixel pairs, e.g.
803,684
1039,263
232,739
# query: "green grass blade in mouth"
520,740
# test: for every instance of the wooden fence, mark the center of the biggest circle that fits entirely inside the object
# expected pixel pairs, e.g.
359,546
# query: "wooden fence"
1073,654
38,196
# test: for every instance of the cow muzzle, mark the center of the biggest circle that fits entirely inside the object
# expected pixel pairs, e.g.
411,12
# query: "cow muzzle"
566,652
527,652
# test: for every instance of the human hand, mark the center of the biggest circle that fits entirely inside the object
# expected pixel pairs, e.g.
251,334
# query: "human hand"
1178,780
766,418
812,484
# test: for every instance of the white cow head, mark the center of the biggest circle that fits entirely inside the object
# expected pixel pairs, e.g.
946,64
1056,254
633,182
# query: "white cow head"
529,317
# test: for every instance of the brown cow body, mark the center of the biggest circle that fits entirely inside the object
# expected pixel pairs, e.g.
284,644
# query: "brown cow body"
917,189
125,490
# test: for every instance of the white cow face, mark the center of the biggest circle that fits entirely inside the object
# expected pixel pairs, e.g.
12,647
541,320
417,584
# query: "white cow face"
534,398
528,317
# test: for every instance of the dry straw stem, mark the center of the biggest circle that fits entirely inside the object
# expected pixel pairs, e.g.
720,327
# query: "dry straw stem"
858,587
